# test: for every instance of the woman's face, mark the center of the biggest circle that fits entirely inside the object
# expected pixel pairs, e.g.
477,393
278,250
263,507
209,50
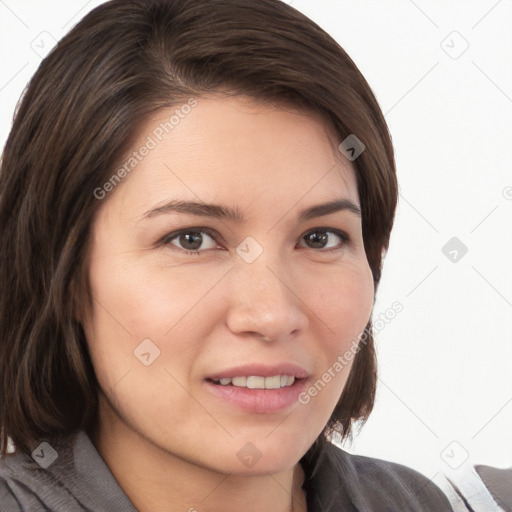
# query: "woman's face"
270,295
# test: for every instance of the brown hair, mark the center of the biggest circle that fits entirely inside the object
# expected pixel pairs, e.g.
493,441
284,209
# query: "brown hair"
79,114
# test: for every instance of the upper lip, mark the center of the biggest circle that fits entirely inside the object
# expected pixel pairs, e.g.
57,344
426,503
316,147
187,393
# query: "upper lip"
261,370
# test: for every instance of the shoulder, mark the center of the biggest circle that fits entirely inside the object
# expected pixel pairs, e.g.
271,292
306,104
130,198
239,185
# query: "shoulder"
31,484
68,474
372,484
19,481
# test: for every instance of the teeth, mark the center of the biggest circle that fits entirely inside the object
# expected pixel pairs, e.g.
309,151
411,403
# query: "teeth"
256,382
239,381
273,382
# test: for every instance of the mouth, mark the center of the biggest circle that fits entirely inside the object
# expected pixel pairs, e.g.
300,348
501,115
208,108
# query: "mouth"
259,389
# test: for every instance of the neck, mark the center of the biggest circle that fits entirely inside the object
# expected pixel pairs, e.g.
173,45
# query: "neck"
157,481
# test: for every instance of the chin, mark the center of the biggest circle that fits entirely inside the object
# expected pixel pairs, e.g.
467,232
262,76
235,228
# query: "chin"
252,458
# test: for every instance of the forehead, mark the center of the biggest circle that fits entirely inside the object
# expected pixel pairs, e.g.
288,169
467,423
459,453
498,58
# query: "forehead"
236,150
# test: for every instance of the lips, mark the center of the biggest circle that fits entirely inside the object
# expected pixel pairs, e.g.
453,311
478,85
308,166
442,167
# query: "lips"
245,387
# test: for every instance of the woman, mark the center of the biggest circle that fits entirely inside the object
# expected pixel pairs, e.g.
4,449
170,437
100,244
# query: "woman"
195,201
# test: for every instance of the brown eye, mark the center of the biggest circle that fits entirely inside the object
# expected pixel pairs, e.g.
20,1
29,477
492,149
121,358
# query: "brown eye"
191,240
324,239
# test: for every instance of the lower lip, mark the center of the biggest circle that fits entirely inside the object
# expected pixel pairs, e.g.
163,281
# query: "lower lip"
262,401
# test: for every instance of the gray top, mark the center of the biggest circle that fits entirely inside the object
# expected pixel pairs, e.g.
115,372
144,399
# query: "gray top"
79,480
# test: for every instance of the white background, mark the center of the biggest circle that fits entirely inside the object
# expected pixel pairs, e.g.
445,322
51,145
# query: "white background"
445,389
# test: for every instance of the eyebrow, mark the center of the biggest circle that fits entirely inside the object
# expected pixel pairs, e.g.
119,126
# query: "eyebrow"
234,214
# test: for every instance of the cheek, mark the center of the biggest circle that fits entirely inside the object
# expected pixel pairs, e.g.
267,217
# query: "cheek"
149,297
344,306
139,357
343,301
136,302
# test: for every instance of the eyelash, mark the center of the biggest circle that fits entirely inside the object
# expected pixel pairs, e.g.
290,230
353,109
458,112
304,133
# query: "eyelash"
166,241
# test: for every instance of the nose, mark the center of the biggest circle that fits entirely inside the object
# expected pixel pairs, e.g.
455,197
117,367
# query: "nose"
265,301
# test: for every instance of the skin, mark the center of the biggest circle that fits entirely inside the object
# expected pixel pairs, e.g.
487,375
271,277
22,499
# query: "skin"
171,444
